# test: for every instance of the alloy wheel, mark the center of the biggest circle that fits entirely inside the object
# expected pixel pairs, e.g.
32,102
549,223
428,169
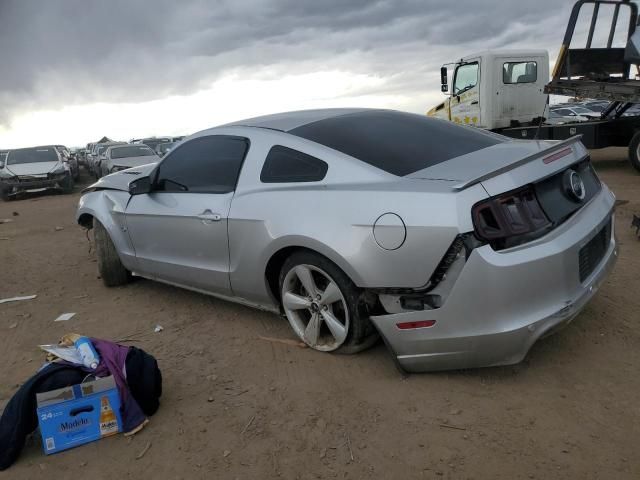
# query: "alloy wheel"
315,307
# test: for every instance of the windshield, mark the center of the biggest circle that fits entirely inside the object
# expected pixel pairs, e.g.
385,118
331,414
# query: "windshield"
131,151
32,155
581,110
466,78
102,149
154,142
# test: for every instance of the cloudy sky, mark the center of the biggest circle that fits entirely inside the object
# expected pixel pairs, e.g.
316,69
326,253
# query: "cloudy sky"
74,70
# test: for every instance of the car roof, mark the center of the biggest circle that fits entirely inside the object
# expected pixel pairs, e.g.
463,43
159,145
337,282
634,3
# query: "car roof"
289,120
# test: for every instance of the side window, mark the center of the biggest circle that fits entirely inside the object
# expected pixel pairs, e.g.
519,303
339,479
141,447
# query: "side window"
287,165
203,165
520,72
466,78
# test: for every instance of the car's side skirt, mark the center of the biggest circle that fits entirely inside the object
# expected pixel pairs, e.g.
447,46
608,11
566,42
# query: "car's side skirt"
239,300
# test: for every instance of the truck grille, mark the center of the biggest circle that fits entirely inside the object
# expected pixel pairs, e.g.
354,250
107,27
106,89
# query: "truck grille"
591,254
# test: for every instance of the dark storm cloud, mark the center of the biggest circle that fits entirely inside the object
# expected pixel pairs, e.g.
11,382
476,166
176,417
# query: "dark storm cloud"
61,52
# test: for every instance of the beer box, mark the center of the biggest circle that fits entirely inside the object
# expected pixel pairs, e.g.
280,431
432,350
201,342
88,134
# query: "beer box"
79,414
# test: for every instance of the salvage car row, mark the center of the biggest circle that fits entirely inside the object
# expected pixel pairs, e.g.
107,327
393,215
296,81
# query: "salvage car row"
56,168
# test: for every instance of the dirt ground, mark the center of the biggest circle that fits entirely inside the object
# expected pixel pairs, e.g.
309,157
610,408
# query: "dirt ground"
236,406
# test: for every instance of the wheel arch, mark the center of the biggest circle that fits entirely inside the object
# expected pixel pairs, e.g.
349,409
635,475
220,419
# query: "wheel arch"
277,258
86,220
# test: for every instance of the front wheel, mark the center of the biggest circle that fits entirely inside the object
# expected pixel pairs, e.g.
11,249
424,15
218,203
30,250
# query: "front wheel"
325,309
67,184
110,267
634,151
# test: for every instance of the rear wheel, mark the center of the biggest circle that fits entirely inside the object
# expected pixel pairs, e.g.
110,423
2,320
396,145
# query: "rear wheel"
634,151
110,267
325,309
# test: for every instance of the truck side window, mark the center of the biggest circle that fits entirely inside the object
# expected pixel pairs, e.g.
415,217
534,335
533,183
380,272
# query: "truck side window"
519,72
466,78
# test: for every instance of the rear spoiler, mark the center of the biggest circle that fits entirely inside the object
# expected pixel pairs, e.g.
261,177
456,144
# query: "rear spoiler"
548,152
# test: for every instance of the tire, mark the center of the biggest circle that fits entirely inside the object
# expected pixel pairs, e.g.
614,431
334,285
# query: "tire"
110,267
349,309
634,151
67,184
5,196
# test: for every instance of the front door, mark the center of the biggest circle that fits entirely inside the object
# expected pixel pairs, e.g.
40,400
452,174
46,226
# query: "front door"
179,230
465,98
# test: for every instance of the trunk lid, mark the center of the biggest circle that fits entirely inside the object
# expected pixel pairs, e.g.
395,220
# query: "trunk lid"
507,165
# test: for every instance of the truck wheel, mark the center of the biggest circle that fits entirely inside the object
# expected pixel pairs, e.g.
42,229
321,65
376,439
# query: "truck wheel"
110,267
325,309
634,151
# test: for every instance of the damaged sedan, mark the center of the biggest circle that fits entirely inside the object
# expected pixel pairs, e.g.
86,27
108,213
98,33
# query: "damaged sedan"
459,247
34,169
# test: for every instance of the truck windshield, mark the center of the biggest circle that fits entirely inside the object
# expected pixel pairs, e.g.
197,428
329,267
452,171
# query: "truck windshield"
466,78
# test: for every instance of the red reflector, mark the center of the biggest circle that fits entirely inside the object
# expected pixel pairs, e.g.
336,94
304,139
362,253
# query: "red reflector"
412,325
562,153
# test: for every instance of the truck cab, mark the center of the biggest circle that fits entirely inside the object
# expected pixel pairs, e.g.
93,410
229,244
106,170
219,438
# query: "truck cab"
495,89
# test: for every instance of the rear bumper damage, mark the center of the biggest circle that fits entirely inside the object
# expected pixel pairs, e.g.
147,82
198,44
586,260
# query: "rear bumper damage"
503,302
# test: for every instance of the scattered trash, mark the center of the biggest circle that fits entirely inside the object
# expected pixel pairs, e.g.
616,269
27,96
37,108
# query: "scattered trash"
70,354
210,399
5,220
13,325
64,317
15,214
81,296
247,425
18,299
4,238
451,426
158,328
59,229
226,453
348,444
285,341
144,450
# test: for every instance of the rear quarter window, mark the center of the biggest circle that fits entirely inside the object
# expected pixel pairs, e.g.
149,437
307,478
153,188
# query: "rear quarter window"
284,165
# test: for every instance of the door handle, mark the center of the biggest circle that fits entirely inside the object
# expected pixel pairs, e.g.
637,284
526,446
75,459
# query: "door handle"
475,102
208,216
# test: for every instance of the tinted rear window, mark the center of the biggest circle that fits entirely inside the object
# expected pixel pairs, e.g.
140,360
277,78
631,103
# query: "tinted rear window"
32,155
287,165
398,143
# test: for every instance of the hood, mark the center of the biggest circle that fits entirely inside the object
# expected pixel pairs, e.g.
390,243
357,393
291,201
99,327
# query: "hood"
135,161
489,162
121,180
35,168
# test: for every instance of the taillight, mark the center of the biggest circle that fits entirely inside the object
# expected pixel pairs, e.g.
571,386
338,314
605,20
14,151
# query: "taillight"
509,219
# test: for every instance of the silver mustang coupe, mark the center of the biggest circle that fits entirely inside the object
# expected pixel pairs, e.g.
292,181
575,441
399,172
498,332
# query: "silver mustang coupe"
459,247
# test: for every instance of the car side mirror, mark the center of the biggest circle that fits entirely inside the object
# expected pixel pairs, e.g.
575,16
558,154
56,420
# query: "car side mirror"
140,186
444,87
